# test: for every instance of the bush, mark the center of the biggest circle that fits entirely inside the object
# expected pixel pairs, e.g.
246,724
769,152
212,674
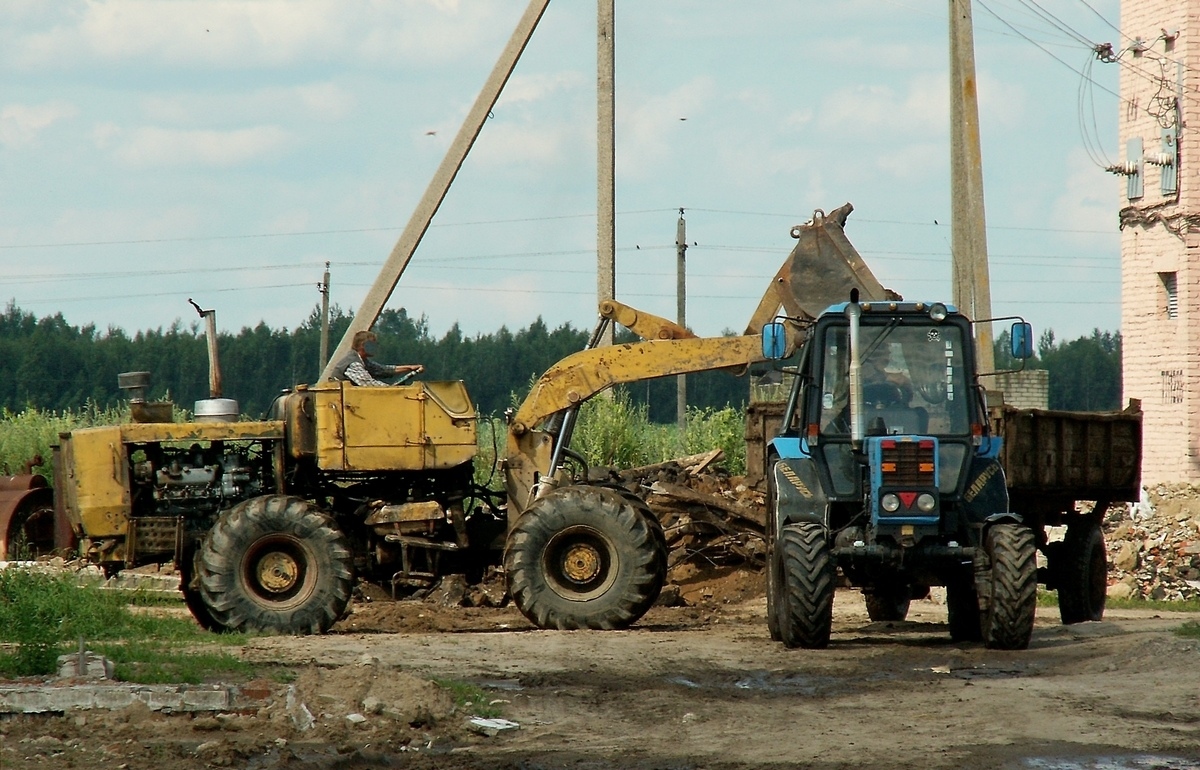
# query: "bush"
31,432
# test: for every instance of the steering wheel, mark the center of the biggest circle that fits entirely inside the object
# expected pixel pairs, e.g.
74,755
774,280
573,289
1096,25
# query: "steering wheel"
883,393
406,377
933,388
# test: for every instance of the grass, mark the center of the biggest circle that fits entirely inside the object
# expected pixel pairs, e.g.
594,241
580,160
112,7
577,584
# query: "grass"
45,615
1050,599
469,698
1190,629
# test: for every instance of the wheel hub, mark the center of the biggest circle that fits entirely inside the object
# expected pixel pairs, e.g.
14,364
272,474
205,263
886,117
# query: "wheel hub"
581,563
277,572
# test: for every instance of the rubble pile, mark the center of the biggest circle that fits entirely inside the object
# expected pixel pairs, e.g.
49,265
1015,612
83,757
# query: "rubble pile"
709,517
1154,545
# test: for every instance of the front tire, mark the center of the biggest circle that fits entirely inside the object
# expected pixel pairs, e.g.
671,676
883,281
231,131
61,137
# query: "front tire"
1008,620
806,619
275,564
585,557
1082,574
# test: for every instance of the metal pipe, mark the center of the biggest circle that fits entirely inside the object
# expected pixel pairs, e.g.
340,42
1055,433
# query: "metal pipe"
854,313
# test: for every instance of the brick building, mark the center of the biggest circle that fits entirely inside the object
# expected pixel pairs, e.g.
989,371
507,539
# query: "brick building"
1160,230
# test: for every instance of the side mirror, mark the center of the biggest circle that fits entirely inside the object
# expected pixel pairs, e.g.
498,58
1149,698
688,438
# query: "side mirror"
1021,338
774,341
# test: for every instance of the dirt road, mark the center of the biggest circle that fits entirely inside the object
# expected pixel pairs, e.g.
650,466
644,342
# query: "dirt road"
694,687
690,688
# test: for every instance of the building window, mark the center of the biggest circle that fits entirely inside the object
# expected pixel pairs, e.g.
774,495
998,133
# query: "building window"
1172,304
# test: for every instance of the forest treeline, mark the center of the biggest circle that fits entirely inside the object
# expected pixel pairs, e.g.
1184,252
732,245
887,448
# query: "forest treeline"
47,363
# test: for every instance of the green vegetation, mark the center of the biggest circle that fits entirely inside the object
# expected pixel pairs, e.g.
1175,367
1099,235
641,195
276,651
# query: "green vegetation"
469,698
618,432
1050,599
1190,629
1085,374
45,615
30,433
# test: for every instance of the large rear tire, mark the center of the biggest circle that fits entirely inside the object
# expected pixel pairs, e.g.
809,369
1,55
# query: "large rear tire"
1082,574
276,564
1008,620
189,586
585,557
806,619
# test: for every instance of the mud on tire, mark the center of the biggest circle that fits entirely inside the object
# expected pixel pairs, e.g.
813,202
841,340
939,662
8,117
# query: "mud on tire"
1008,621
585,557
275,564
806,619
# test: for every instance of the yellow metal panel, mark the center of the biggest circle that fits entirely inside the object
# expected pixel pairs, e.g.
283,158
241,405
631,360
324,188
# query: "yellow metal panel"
450,424
97,480
142,433
330,445
384,428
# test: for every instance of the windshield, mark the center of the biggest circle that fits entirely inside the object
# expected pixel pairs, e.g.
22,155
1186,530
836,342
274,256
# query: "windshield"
914,380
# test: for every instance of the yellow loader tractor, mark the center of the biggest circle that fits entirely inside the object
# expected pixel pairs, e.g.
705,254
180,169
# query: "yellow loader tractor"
271,522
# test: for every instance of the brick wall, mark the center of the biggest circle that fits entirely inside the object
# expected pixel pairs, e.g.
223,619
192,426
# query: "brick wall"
1029,389
1160,240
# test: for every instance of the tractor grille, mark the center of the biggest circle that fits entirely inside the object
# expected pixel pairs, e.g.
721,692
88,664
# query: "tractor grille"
908,463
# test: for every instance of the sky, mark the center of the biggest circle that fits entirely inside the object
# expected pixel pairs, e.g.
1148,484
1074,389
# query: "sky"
225,150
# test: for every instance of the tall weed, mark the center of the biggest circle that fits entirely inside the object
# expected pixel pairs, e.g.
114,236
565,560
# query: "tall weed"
30,433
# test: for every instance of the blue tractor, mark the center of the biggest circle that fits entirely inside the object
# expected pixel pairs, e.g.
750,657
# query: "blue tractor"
886,474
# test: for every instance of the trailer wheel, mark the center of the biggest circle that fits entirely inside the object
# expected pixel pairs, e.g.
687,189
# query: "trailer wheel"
1008,619
275,564
585,557
962,607
1082,574
806,619
888,604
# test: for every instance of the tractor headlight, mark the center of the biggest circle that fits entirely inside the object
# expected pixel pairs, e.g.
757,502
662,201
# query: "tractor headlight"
926,502
937,312
890,503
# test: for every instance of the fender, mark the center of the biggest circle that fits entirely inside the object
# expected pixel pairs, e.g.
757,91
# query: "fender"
799,496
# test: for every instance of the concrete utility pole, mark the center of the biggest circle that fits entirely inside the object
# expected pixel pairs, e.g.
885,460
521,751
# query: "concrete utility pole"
606,155
435,193
323,287
968,231
681,316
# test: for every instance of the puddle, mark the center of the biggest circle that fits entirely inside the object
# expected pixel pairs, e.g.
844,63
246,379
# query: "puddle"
1134,762
507,685
769,682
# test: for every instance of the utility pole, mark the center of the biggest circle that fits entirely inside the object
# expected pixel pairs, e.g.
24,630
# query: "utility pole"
968,228
323,287
681,317
606,142
389,275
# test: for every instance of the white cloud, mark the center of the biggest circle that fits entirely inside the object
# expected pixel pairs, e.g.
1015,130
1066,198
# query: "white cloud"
231,34
648,125
323,101
154,146
1086,203
524,89
20,124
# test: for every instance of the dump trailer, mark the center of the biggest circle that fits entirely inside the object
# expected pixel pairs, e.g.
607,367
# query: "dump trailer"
272,521
891,472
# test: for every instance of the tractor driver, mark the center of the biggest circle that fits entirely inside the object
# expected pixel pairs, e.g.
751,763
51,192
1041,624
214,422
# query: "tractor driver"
881,386
358,368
